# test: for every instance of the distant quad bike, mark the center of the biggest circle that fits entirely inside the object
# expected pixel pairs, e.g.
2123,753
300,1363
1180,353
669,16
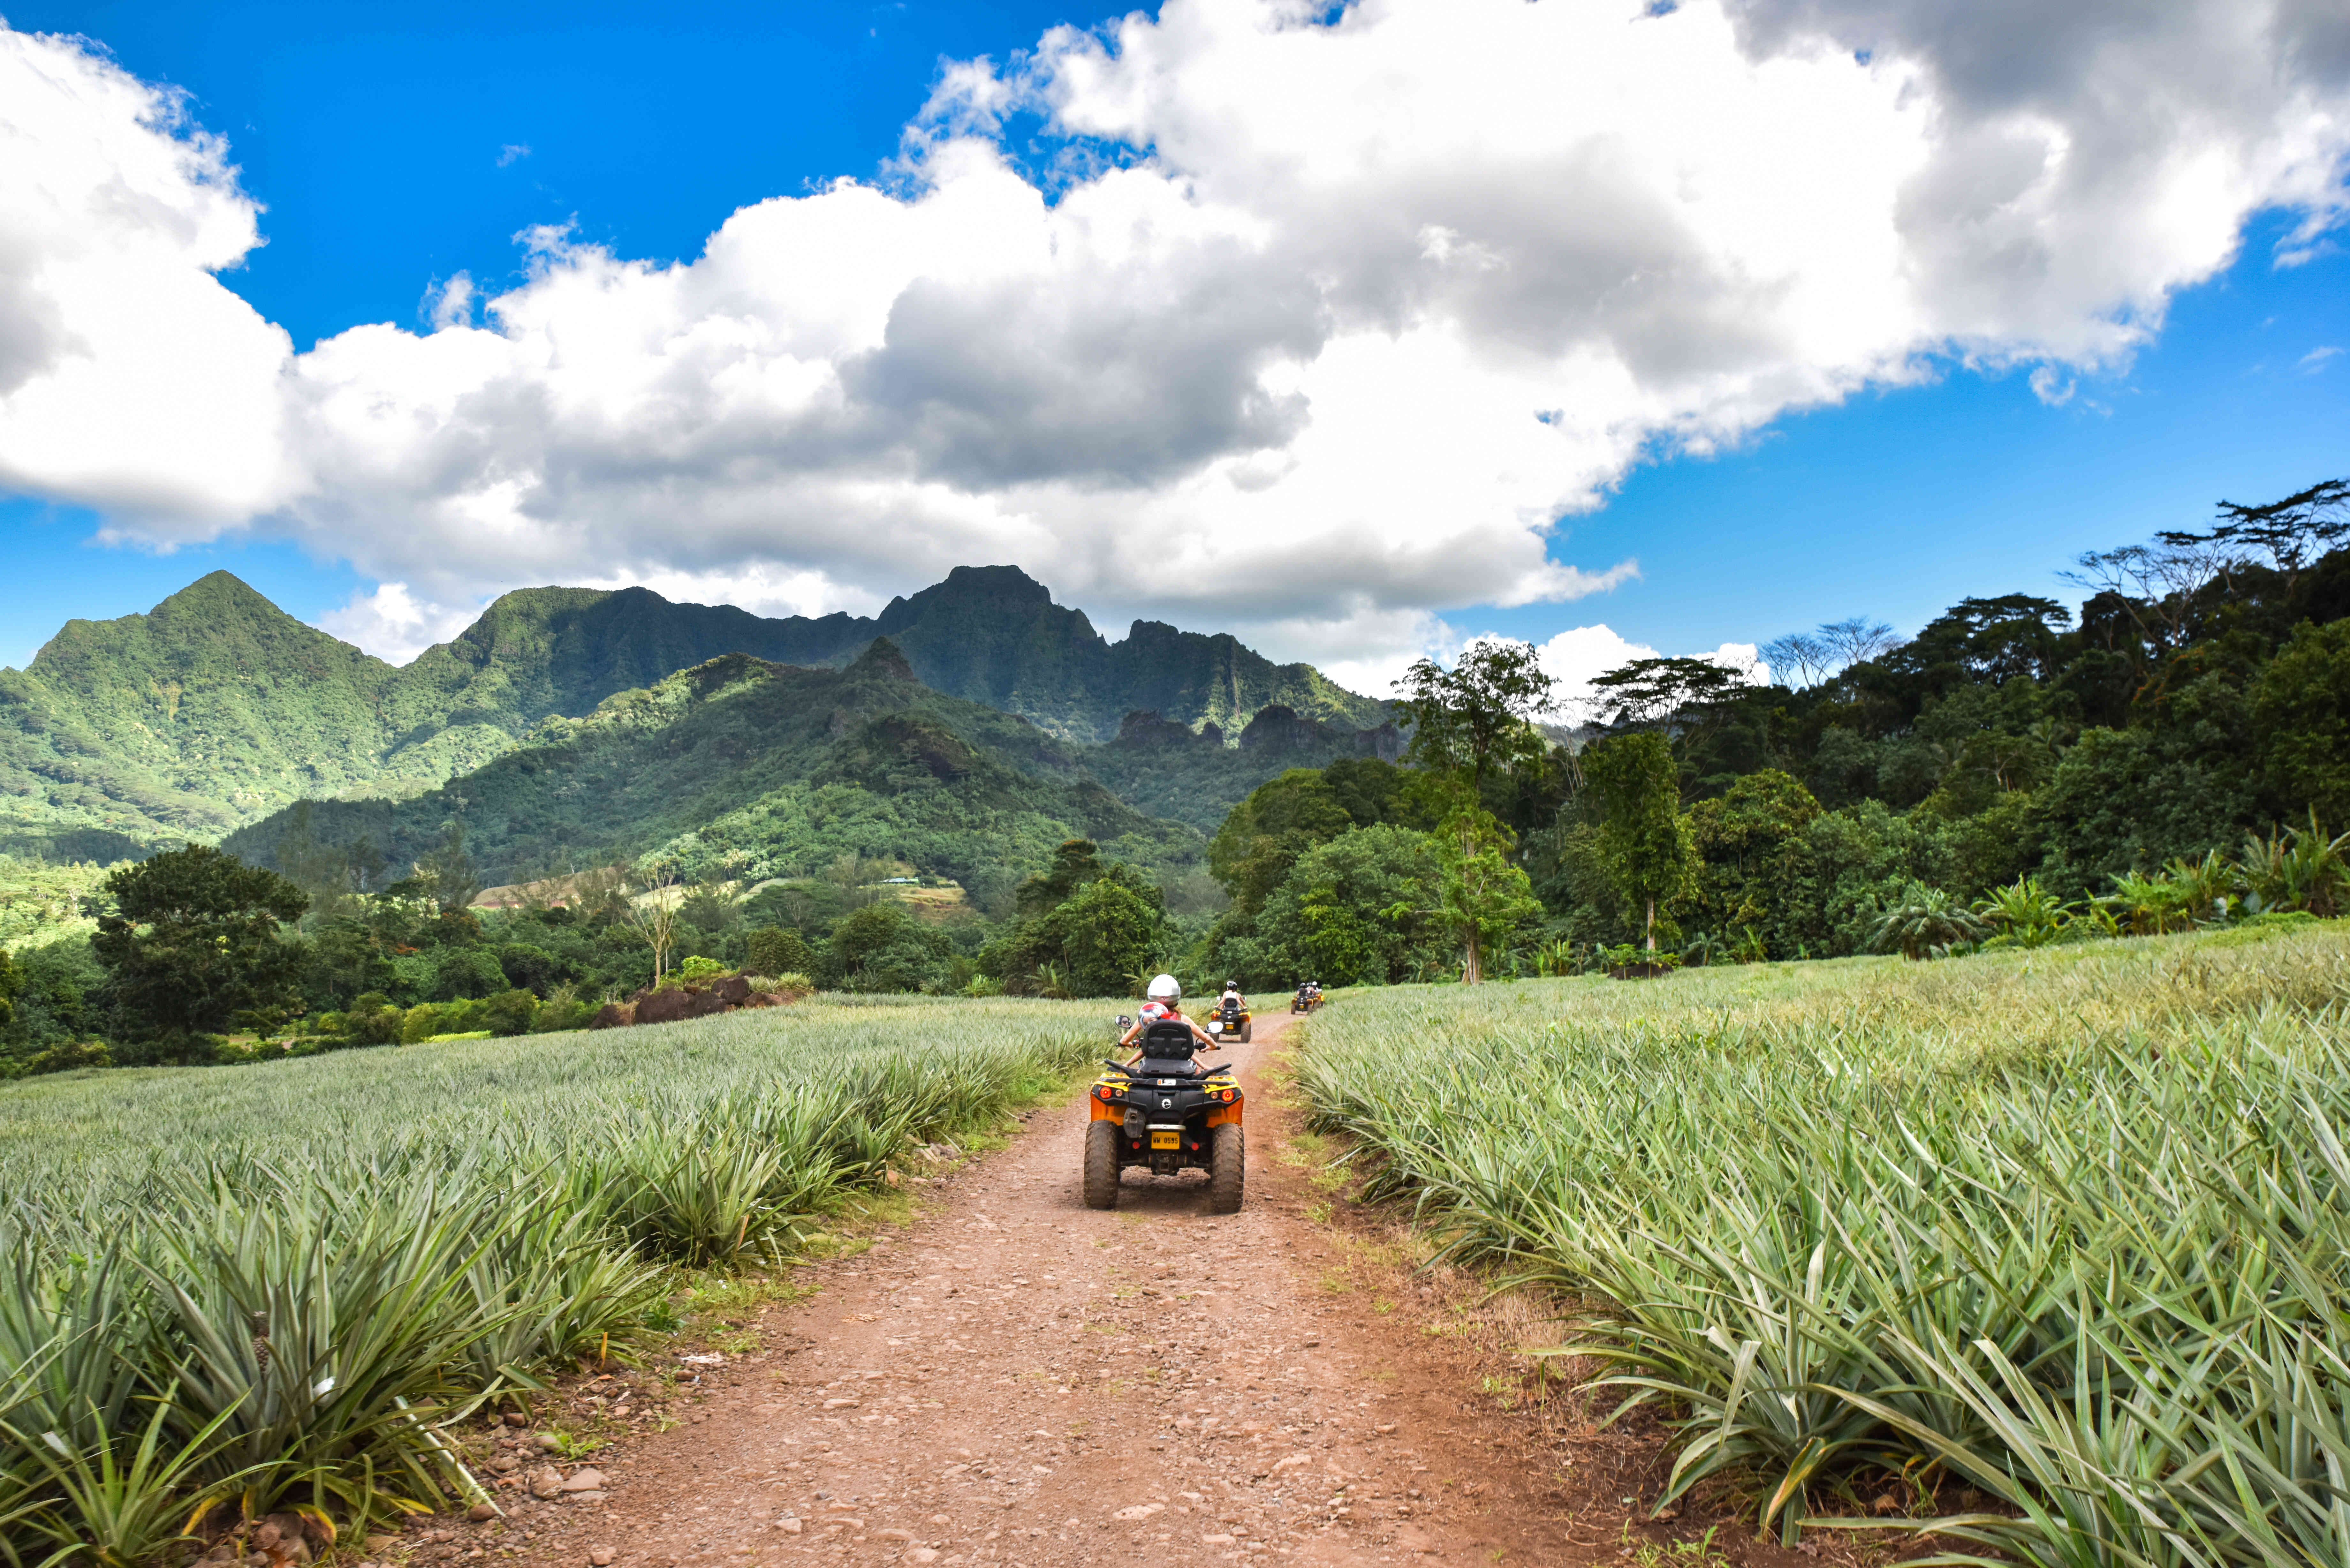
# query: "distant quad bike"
1308,997
1162,1115
1232,1023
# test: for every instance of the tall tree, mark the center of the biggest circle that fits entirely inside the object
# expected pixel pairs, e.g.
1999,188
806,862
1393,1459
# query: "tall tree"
652,912
1650,851
196,940
1648,690
1477,718
1485,897
448,871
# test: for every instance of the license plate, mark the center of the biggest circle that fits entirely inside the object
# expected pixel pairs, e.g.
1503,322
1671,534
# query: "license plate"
1170,1139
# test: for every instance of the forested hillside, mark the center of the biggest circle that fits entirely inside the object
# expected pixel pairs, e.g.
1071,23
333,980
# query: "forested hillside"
740,770
2172,748
216,708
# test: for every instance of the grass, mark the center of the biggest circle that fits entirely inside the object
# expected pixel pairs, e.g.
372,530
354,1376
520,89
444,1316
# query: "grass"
278,1286
2069,1228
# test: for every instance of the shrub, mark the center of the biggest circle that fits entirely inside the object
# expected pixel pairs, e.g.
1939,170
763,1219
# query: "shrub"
510,1012
372,1020
774,950
1926,923
693,969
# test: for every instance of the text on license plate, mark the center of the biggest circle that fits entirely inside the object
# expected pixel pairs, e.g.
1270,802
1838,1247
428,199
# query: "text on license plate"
1170,1139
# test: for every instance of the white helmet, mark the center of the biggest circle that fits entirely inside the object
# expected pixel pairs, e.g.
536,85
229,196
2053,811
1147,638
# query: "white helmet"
1164,989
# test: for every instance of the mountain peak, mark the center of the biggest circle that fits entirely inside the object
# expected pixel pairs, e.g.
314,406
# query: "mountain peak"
218,590
881,658
996,588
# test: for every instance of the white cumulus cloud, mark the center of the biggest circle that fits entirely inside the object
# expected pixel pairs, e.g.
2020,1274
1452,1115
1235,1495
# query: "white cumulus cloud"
1321,327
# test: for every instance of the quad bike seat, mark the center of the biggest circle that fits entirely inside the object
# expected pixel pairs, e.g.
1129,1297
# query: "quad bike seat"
1166,1049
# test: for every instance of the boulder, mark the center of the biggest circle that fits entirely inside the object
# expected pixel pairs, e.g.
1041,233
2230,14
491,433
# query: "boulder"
733,989
666,1006
613,1016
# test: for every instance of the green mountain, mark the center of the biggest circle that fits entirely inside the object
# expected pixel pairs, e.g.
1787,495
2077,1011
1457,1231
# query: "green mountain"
993,635
209,710
743,769
1169,770
216,708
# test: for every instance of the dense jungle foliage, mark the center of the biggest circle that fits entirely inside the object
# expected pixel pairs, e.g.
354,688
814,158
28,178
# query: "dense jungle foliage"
2175,750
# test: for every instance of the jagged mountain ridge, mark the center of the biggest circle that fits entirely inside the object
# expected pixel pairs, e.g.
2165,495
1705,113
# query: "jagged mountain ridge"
216,708
740,769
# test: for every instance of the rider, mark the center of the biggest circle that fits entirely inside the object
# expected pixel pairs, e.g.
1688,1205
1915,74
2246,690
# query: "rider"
1166,995
1231,999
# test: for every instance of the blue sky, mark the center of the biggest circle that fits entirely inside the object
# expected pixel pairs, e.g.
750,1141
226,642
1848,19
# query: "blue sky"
398,150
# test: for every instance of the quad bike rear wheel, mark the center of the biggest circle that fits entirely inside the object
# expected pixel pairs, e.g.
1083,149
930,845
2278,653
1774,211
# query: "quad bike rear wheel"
1247,1030
1101,1165
1228,1156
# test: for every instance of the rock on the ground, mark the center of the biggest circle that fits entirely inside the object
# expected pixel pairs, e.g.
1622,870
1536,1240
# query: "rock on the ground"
545,1483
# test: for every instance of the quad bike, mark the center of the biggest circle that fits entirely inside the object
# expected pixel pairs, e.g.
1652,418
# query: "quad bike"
1231,1023
1306,999
1166,1114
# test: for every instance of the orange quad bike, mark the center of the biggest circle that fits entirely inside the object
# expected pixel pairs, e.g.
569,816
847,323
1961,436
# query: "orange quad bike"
1167,1114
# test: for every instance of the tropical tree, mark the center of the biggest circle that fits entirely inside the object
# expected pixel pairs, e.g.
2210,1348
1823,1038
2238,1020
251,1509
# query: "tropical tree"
1264,835
772,951
2297,870
2145,905
1647,844
197,939
2300,720
446,873
2205,887
2024,914
652,912
1358,909
1093,923
1484,896
1476,717
883,946
1926,923
1109,930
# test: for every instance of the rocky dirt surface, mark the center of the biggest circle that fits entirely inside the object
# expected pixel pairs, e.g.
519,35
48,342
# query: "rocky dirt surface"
1016,1379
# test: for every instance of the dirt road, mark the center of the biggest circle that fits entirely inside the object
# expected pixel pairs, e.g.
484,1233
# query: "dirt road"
1018,1380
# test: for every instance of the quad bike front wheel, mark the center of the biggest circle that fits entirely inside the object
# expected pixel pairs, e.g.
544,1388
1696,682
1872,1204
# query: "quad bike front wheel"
1227,1158
1101,1164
